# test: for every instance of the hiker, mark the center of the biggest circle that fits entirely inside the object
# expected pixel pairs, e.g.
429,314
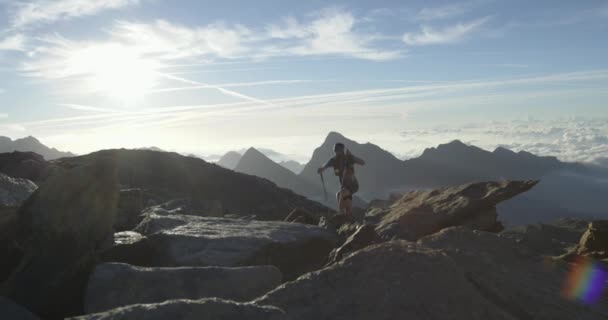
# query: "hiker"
344,167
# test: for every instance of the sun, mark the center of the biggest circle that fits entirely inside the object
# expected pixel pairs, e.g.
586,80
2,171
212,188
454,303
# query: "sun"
115,71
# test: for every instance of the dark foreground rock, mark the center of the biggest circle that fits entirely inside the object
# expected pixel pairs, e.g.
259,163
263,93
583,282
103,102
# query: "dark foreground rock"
457,274
60,228
115,285
420,213
11,311
130,206
364,236
190,310
25,165
13,193
183,240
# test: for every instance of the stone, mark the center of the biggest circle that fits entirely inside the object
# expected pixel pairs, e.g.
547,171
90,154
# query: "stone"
548,239
61,227
114,285
421,213
190,310
364,236
183,240
457,273
25,165
302,216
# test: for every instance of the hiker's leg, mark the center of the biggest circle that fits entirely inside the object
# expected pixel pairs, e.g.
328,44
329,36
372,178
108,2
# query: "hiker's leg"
339,200
346,201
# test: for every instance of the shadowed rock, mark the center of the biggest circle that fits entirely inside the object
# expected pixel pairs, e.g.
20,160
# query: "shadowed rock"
457,273
130,206
13,192
420,213
61,227
114,285
25,165
12,311
190,310
364,236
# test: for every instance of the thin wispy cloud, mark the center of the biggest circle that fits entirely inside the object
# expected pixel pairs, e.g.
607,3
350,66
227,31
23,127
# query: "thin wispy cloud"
451,34
14,43
444,12
47,11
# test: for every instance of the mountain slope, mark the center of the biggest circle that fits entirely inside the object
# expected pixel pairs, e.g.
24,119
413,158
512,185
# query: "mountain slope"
293,166
31,144
256,163
229,160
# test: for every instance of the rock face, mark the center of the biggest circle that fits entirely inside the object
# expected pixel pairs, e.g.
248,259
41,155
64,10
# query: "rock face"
552,239
594,242
25,165
458,273
12,311
115,285
171,176
61,227
13,193
421,213
190,310
364,236
130,206
182,240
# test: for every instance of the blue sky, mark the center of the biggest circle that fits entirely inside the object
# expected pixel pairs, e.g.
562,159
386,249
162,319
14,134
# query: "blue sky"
206,77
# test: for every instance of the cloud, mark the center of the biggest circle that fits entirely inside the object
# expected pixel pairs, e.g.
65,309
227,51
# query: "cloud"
15,43
452,34
3,115
332,32
443,12
46,11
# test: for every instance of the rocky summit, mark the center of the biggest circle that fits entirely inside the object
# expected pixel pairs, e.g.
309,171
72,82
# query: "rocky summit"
138,234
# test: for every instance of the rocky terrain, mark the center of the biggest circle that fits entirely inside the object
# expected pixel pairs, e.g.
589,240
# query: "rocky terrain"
135,234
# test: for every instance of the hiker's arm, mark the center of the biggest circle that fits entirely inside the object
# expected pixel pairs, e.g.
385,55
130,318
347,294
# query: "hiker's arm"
359,161
328,164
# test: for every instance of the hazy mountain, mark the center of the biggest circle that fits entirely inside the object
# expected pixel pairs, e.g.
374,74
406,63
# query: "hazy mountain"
293,166
256,163
229,160
31,144
381,171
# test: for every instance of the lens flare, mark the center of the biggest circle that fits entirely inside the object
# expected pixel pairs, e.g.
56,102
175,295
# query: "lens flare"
586,281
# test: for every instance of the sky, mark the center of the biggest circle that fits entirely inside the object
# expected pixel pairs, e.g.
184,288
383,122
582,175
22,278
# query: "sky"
206,77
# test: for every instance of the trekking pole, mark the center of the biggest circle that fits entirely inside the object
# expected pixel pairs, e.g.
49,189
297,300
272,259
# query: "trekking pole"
323,183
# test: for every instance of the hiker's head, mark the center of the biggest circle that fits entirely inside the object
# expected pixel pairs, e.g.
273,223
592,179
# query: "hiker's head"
339,148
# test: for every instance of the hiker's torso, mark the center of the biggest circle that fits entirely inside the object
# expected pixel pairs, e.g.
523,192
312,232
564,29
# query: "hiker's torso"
344,166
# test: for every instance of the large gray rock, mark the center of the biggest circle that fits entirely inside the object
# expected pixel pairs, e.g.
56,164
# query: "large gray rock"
420,213
115,285
183,240
13,192
130,206
457,273
12,311
190,310
550,239
60,228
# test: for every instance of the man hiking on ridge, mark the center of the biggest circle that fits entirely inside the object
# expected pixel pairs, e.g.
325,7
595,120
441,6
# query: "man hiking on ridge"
344,168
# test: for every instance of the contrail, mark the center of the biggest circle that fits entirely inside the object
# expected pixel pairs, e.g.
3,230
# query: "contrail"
220,89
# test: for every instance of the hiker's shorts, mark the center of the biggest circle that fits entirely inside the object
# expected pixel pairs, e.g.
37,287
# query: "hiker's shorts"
351,184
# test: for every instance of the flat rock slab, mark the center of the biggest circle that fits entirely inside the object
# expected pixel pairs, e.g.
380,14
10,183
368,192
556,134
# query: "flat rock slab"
457,273
114,285
190,310
182,240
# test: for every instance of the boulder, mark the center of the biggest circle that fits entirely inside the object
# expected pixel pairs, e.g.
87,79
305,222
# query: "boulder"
115,285
190,310
60,228
364,236
25,165
130,206
457,273
594,241
12,311
420,213
183,240
13,193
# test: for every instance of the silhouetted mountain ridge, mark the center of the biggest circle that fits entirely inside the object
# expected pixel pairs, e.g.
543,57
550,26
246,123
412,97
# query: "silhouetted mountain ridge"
31,144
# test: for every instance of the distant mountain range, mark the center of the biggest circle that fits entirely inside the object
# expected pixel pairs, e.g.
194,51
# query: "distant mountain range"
565,190
231,159
31,144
